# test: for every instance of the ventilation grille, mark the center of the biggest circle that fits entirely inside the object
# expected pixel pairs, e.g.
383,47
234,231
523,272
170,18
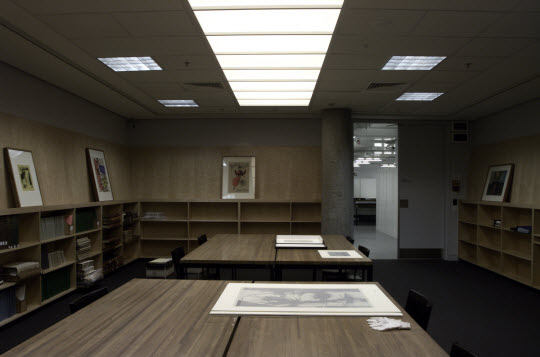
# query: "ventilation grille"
216,85
373,86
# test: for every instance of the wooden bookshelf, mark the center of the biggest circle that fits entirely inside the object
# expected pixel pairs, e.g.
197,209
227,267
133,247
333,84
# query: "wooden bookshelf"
501,249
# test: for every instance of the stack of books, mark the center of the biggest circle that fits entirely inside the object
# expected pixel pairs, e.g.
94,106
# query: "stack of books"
55,226
154,215
112,221
299,241
56,258
9,232
129,218
18,271
87,274
83,248
112,264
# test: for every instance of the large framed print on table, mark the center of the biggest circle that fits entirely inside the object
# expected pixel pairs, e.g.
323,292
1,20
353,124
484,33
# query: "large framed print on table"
23,177
99,174
238,177
305,299
498,183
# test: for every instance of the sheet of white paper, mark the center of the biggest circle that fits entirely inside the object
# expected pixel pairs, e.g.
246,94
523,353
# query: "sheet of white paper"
298,239
339,254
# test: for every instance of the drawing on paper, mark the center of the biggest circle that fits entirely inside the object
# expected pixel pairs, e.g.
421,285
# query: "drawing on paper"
301,297
101,175
239,177
339,254
26,178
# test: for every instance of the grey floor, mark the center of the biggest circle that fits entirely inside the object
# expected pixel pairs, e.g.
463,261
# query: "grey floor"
382,246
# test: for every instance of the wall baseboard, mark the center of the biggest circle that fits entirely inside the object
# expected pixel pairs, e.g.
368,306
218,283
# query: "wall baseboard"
419,253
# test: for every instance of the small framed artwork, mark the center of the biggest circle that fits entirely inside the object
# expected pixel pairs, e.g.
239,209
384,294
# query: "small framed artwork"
99,174
238,177
498,183
23,177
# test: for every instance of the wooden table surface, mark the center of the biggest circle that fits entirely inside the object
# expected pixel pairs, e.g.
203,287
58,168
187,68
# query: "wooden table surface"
141,318
256,249
312,256
328,336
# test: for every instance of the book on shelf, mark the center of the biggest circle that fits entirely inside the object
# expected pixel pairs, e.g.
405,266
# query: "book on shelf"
8,303
522,229
84,245
55,258
86,219
55,226
9,232
112,221
44,257
55,282
17,271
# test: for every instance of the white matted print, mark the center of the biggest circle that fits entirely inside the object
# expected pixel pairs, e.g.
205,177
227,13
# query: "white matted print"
99,175
305,299
238,177
298,239
498,182
23,177
339,254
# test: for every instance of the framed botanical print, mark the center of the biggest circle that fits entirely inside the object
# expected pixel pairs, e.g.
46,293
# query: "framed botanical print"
99,174
498,183
23,177
238,177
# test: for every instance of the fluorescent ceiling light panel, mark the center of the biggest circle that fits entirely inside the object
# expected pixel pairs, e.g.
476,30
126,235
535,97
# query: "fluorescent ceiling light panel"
274,103
377,144
270,44
274,95
419,96
130,64
178,103
271,75
272,86
271,61
264,4
271,22
412,63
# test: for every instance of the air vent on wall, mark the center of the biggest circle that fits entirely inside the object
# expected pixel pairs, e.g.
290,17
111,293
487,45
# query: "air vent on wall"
216,85
374,86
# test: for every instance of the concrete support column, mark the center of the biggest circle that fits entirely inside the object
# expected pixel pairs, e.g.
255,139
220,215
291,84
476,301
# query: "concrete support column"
337,172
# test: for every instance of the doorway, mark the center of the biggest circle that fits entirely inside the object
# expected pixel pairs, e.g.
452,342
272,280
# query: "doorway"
376,188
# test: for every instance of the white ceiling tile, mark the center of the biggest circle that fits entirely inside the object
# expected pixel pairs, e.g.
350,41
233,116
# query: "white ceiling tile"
147,46
75,26
462,5
431,46
336,61
454,23
178,62
170,23
377,22
363,45
494,47
517,24
370,75
464,63
173,76
105,6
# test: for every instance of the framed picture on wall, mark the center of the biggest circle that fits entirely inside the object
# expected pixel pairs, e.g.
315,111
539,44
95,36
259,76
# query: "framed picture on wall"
99,174
238,177
23,177
498,183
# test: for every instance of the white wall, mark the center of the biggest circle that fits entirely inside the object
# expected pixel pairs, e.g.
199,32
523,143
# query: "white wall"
28,97
363,172
387,201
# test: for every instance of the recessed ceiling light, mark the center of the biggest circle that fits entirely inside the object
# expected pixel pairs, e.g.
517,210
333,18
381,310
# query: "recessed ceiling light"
273,103
412,63
377,144
270,44
272,86
178,103
272,22
125,64
419,96
263,4
273,95
271,75
314,61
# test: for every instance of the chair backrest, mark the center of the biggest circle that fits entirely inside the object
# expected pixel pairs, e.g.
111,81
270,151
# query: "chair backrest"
351,240
202,239
176,255
364,250
419,307
458,351
87,299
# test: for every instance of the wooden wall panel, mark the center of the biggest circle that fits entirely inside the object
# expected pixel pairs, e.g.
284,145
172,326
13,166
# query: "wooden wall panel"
60,159
194,173
524,153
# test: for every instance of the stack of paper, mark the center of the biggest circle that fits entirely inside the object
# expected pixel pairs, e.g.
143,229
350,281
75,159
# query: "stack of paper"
299,241
83,248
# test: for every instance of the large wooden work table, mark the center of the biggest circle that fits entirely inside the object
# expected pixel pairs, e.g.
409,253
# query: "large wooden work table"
258,250
171,318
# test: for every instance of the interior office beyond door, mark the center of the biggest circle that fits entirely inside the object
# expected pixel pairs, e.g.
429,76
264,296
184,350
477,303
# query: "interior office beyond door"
376,188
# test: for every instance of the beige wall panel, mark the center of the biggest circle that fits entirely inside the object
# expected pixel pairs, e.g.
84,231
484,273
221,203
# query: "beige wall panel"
60,160
282,173
524,153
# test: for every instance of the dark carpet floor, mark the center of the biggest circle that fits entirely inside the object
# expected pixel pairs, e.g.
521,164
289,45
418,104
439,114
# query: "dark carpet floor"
489,314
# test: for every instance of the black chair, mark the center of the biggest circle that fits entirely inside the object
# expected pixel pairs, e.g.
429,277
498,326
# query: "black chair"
351,240
176,255
364,250
202,239
87,299
458,351
419,307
